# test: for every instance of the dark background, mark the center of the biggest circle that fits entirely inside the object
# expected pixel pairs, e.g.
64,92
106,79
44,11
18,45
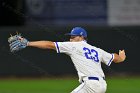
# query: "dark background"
37,62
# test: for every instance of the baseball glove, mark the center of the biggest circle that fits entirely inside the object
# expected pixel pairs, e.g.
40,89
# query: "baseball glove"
17,42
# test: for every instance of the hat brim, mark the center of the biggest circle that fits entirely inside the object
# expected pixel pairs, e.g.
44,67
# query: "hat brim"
69,34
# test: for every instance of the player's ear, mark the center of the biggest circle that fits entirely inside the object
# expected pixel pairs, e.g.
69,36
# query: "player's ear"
83,37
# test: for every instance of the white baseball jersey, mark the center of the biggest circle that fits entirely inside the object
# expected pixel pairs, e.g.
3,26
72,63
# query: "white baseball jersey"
86,58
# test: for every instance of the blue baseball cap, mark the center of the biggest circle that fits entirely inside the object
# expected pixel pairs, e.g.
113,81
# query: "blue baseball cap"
77,31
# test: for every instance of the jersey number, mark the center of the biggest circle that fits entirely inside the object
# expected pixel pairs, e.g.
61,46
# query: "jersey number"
91,54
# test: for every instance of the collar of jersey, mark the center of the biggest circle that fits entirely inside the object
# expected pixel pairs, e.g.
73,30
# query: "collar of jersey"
84,41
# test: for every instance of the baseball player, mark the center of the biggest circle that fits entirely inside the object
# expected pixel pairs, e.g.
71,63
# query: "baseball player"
85,57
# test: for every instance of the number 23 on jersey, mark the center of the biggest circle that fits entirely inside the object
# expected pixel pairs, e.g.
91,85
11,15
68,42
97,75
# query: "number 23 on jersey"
91,54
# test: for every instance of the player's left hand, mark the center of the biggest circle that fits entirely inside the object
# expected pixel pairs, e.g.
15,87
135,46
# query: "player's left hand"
17,42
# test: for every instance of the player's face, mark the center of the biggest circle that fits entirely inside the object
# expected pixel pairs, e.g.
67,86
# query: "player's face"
76,38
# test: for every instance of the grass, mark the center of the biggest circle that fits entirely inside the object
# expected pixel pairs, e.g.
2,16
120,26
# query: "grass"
123,85
115,85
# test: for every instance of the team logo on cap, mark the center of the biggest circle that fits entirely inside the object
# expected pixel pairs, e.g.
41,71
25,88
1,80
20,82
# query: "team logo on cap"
81,33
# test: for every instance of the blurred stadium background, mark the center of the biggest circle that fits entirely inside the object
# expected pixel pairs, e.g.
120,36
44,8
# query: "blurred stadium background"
111,25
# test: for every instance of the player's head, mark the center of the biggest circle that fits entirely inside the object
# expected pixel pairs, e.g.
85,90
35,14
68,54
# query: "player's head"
77,34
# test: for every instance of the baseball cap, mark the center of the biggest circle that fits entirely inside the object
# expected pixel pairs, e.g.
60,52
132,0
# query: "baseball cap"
77,31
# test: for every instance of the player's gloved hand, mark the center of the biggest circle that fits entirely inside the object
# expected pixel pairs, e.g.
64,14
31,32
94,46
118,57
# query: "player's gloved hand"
17,42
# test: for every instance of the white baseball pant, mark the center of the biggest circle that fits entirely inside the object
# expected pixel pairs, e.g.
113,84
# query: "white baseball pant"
91,86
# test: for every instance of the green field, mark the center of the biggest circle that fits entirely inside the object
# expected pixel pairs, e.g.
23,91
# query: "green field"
115,85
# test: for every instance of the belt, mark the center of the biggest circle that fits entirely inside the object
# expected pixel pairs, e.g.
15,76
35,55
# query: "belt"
91,78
